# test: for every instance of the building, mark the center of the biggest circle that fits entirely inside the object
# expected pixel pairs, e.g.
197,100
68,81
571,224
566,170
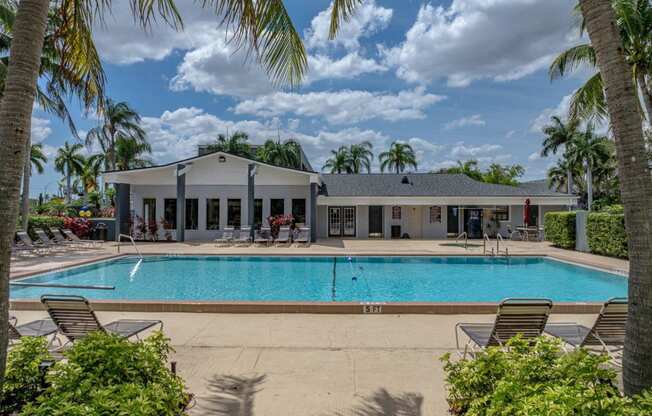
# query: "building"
214,190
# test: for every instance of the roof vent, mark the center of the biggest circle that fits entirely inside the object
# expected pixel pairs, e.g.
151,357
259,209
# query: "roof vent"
405,180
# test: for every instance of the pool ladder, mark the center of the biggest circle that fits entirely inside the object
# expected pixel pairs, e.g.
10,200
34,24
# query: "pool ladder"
486,241
466,239
133,243
499,239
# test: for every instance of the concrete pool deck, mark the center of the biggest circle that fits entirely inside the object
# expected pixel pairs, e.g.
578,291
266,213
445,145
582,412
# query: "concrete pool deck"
305,365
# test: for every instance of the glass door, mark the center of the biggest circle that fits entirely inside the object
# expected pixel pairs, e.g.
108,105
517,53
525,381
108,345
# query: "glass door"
334,222
348,214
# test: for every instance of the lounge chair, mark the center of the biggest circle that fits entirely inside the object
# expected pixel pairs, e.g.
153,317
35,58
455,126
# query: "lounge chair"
45,239
61,238
283,236
527,317
73,237
263,236
607,332
303,237
75,318
226,238
20,249
244,236
38,328
27,241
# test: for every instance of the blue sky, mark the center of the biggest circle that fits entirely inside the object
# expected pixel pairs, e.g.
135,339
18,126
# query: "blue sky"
457,80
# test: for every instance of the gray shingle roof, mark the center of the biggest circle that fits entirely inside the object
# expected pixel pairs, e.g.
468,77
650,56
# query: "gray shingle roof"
421,184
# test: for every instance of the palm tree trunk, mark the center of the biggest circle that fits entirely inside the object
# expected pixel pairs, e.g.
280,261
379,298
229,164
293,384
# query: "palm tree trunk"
68,186
645,92
27,175
589,186
635,188
569,181
15,116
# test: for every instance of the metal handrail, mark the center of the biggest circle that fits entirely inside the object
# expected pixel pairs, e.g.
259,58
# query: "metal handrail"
133,243
499,239
466,238
59,285
485,240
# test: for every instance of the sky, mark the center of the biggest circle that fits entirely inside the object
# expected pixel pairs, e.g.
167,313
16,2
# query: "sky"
455,79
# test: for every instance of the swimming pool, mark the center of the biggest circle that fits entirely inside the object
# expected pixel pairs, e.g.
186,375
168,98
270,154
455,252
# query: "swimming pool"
332,279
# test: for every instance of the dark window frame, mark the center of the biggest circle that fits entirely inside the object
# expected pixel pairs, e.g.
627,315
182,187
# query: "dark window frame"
212,223
231,222
274,212
258,212
170,213
149,203
192,213
300,218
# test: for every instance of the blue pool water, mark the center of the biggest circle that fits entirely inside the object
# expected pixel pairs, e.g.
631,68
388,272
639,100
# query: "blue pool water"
377,279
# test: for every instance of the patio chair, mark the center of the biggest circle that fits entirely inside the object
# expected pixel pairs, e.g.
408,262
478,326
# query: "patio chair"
75,318
263,236
227,236
27,241
19,249
527,317
283,236
73,237
61,238
37,328
244,236
43,236
303,237
607,332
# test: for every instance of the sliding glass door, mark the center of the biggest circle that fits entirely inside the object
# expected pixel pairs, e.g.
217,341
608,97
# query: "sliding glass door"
341,221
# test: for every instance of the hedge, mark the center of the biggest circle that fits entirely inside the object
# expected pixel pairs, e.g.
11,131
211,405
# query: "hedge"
560,228
606,234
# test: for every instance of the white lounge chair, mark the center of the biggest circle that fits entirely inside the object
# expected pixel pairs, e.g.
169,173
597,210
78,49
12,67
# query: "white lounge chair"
283,236
73,237
304,236
263,236
226,238
244,236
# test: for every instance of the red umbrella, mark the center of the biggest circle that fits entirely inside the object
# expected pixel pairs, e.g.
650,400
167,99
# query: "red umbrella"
526,213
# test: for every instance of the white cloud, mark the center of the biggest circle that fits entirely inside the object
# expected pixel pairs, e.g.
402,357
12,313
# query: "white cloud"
368,19
543,119
478,39
40,129
294,123
474,120
460,150
534,156
349,66
343,107
510,134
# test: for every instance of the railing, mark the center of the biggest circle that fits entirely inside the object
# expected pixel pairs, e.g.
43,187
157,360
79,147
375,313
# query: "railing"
499,239
486,241
59,285
133,243
466,238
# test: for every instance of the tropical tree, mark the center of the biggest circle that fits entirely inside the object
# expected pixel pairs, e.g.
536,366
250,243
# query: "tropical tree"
360,157
119,120
91,169
590,151
69,162
275,152
558,135
37,158
621,95
237,144
468,168
398,157
503,175
634,22
339,162
130,153
558,175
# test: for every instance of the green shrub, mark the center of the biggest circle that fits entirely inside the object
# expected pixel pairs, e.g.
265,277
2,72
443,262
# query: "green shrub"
108,375
23,377
537,380
606,234
560,228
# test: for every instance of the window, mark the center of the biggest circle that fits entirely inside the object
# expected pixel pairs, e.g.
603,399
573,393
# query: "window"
502,213
170,214
192,213
277,207
212,214
149,210
233,213
396,213
258,212
299,210
435,214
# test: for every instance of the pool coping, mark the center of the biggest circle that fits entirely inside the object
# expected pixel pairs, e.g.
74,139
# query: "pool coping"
256,307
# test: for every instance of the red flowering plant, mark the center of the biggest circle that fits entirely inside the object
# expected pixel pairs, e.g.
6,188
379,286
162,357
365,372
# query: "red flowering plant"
167,226
278,221
81,227
152,229
140,228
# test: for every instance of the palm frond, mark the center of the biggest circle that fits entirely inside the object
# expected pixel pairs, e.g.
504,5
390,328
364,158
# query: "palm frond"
588,102
342,12
571,59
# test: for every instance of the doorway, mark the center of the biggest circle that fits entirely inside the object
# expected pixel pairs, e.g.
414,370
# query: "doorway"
341,221
376,221
473,223
453,221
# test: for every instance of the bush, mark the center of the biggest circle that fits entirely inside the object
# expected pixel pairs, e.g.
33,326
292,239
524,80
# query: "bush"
23,377
537,380
560,228
108,375
606,234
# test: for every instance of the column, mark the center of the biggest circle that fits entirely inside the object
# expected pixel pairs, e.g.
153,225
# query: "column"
122,207
313,212
251,175
181,203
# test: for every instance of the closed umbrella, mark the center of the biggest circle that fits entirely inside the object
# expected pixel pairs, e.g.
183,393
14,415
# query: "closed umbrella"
526,213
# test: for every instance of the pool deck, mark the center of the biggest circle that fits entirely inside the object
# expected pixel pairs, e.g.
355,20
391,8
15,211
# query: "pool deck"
305,365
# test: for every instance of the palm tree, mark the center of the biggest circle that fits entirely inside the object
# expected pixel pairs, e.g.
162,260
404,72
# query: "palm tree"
558,175
360,157
558,135
468,168
634,20
287,154
91,169
503,175
37,158
118,120
129,153
339,162
635,185
69,162
264,26
398,157
237,144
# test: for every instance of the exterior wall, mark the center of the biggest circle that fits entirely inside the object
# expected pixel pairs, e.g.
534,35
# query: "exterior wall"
362,222
322,221
224,193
